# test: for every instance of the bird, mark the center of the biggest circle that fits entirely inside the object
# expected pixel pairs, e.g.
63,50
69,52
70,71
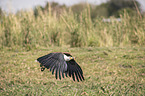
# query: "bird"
62,65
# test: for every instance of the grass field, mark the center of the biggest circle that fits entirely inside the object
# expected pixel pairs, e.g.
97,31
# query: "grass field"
111,54
107,71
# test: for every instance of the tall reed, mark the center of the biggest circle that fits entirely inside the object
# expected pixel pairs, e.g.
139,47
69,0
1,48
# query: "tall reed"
76,30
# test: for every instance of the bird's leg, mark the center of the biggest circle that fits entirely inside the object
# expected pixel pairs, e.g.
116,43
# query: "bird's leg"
42,67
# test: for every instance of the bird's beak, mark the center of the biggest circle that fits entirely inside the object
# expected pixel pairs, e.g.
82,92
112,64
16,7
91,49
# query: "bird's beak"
71,58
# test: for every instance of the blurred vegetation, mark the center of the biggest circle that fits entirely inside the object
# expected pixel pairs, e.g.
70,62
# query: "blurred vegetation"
115,70
76,26
110,8
1,12
113,8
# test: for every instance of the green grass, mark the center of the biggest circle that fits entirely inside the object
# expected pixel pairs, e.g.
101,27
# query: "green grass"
107,71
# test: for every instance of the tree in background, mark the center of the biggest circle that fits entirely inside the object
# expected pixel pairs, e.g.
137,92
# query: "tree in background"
78,8
114,8
117,5
101,10
110,8
55,7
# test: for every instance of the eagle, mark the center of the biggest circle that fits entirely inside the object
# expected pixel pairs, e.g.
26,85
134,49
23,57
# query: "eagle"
62,65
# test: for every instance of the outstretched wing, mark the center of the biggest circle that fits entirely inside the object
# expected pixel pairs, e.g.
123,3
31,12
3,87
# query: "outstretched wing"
74,70
55,62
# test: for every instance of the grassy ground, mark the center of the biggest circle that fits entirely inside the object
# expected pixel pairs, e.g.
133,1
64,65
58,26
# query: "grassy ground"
107,71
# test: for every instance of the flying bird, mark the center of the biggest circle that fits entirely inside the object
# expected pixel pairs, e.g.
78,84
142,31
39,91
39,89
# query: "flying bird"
61,64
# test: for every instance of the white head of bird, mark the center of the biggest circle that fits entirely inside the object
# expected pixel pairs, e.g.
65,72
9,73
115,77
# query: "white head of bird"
67,58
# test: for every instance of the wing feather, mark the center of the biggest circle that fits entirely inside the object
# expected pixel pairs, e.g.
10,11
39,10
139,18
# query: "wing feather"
76,74
73,76
40,59
53,70
56,72
55,62
74,68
